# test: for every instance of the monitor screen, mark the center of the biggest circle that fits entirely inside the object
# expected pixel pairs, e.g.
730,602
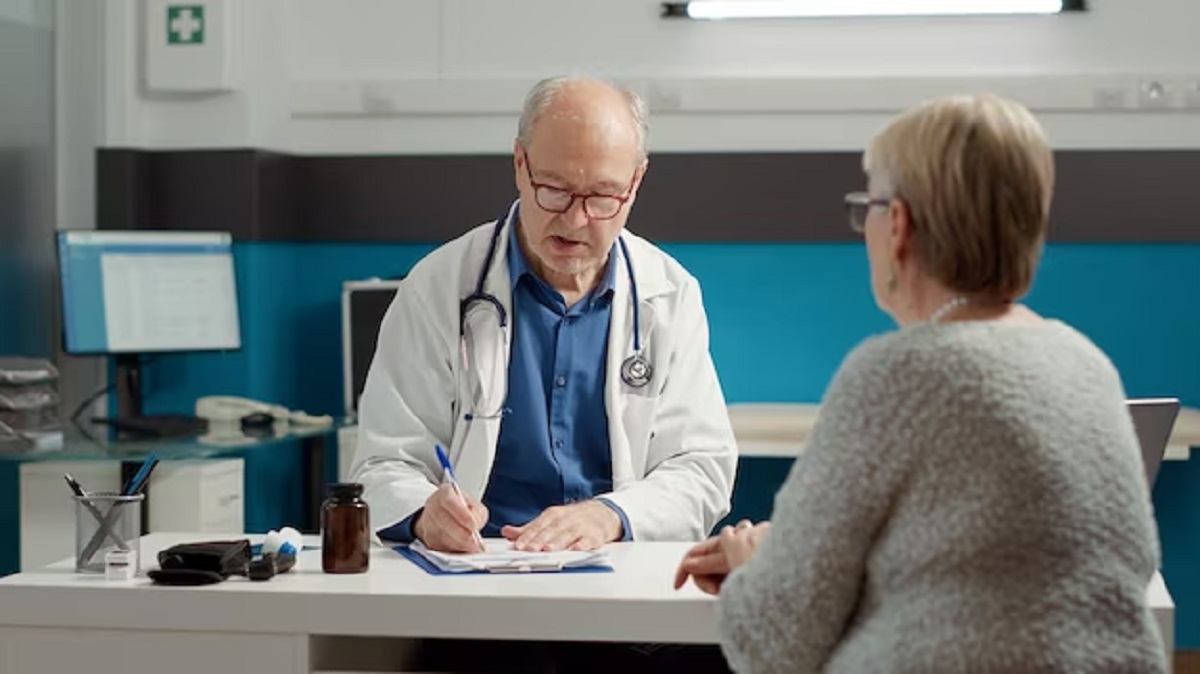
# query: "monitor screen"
147,291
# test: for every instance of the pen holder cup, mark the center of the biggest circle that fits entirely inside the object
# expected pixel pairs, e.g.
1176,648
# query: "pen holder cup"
104,522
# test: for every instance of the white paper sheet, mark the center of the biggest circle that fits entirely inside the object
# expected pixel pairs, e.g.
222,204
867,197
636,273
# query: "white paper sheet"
499,555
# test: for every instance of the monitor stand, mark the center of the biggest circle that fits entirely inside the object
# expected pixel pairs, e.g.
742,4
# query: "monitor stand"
130,422
129,385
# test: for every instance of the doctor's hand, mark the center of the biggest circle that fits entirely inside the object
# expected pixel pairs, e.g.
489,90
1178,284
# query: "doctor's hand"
710,562
586,525
447,525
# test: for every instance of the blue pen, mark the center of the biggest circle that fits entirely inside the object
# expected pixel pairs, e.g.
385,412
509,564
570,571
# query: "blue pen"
139,478
448,475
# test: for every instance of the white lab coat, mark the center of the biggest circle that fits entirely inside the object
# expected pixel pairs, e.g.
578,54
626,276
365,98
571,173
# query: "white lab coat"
673,450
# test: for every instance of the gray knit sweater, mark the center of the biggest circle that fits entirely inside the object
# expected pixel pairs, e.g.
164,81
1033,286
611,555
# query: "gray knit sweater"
972,499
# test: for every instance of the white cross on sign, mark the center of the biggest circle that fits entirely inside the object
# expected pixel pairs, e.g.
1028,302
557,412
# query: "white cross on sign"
185,25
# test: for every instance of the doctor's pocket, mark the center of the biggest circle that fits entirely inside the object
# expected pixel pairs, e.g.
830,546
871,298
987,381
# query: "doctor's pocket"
639,421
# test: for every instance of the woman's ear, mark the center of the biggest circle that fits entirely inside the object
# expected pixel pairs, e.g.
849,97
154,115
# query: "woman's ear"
901,231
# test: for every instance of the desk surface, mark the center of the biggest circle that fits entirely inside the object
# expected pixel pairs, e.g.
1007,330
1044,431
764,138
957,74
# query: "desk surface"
94,443
633,603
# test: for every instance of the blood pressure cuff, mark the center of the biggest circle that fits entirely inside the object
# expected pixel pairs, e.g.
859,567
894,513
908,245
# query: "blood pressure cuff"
201,563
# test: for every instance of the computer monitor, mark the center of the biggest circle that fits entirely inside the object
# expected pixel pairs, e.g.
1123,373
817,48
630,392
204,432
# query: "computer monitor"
129,293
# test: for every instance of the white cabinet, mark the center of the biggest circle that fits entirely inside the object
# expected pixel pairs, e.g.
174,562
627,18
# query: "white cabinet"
203,495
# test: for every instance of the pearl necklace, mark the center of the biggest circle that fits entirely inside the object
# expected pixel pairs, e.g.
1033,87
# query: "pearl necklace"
946,308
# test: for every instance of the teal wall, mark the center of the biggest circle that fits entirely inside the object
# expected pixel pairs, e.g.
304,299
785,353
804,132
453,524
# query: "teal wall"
782,317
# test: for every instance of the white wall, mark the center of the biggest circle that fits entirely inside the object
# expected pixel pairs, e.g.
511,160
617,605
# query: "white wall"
253,115
426,76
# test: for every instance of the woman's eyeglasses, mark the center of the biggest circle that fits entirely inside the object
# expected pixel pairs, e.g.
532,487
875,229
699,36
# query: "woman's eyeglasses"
858,205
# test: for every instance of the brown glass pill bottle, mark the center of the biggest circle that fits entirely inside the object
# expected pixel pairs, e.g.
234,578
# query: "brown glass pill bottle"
345,530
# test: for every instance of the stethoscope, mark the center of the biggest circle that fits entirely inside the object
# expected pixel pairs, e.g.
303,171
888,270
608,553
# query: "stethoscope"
636,371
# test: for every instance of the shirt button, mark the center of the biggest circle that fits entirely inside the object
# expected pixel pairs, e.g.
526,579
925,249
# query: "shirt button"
560,381
558,444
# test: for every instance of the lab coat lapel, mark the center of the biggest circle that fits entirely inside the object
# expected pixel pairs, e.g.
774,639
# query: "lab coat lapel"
623,402
474,448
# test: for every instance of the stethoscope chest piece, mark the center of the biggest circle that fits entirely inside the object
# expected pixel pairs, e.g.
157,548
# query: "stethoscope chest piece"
636,371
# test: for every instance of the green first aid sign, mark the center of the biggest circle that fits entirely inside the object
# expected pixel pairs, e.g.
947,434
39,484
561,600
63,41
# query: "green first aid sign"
185,24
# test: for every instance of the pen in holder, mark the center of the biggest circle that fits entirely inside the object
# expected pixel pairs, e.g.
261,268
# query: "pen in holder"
106,521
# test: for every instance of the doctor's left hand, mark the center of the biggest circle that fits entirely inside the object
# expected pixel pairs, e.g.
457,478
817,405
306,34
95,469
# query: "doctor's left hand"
586,525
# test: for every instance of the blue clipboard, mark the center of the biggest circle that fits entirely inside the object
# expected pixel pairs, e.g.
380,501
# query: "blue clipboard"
431,569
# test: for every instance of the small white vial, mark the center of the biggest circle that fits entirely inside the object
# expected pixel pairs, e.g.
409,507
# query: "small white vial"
120,565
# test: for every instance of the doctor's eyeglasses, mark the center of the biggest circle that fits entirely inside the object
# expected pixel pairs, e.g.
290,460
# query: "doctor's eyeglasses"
558,200
858,205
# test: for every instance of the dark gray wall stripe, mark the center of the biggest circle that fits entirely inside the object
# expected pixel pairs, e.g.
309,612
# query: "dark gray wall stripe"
1102,195
747,197
1135,195
247,191
402,198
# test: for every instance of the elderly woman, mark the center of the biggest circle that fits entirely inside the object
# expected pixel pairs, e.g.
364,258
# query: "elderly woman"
972,497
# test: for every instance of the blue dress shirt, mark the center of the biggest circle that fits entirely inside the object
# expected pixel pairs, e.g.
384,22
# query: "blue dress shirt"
554,446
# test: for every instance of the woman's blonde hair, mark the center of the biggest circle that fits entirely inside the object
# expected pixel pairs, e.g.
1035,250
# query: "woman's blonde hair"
977,175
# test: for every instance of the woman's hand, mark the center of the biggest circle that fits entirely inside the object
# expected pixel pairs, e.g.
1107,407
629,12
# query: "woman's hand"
710,562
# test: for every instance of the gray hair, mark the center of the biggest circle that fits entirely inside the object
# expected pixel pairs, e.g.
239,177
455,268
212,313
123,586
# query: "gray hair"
544,92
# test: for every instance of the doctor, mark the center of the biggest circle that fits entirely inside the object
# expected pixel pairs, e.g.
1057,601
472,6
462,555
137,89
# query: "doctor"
560,360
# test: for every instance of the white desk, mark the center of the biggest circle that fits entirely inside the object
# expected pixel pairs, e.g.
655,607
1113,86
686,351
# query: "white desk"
53,620
305,621
781,430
